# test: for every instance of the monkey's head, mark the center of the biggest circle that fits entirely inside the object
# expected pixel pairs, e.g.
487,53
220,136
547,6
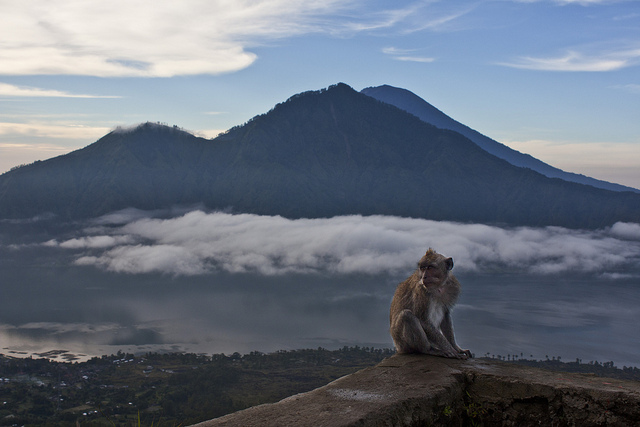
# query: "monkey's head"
433,269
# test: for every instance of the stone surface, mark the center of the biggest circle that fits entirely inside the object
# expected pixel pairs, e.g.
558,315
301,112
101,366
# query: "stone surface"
419,390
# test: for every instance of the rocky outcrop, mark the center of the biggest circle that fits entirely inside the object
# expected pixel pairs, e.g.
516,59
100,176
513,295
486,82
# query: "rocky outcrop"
417,390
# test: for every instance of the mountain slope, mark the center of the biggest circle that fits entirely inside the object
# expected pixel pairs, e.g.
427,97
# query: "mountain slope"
145,168
412,103
319,154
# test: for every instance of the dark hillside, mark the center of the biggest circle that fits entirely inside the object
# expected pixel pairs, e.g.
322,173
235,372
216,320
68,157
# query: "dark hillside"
319,154
147,168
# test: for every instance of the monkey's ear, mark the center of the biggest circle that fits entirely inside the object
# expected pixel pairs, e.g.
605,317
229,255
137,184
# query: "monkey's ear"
448,263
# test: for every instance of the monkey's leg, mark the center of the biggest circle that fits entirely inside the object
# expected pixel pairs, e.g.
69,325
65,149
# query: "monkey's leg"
439,344
407,333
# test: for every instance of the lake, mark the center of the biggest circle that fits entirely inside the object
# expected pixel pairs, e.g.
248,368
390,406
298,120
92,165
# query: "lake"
49,301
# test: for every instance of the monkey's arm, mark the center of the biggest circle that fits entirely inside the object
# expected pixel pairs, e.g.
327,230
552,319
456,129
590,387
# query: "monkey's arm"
447,330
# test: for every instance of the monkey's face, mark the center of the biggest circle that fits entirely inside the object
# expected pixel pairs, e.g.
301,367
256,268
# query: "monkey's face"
434,270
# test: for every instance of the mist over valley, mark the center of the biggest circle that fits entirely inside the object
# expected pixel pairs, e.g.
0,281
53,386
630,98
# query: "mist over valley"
216,282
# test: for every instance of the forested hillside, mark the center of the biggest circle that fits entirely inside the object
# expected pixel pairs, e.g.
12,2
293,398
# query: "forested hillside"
319,154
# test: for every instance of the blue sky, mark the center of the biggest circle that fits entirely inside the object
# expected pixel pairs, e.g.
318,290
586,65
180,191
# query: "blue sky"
558,79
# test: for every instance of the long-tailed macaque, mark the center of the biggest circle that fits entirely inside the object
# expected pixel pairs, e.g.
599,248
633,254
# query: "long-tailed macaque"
421,309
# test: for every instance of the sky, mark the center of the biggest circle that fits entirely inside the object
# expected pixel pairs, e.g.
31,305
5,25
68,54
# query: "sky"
558,79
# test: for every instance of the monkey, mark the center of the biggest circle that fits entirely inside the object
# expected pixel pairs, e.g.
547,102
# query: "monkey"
420,314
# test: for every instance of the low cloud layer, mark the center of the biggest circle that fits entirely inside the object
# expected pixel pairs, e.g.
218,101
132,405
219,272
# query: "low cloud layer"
198,242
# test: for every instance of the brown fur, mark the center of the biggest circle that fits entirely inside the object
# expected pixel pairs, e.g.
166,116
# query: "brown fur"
420,314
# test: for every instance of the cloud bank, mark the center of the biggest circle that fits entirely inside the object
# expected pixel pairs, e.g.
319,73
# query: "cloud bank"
198,242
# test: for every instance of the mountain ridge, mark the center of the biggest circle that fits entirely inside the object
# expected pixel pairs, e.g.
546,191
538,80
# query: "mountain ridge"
319,154
412,103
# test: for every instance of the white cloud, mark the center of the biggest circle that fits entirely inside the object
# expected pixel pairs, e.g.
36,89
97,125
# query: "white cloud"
405,55
92,242
146,38
626,230
17,146
208,133
198,242
396,51
52,130
577,61
415,59
25,91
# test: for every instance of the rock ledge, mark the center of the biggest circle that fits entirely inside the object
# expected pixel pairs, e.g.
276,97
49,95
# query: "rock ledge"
412,390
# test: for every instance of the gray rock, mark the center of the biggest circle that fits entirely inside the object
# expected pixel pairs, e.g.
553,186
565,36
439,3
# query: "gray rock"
418,390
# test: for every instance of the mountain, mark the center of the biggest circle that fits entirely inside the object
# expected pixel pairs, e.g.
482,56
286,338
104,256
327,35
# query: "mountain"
412,103
319,154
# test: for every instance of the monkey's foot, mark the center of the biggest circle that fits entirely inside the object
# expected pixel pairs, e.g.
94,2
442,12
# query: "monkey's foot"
467,353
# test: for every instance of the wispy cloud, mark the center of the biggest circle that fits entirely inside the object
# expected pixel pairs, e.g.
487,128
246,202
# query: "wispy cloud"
423,59
25,91
406,55
142,38
17,146
587,2
53,130
146,38
441,21
199,242
388,18
579,2
576,61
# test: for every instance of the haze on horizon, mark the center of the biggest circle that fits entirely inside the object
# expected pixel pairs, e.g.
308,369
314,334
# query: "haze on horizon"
557,79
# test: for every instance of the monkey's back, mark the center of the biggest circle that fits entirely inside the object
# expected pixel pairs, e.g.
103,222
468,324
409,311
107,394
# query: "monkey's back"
409,295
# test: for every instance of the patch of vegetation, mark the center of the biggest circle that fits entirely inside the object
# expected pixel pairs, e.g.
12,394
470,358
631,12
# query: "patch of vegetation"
180,389
601,369
164,389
